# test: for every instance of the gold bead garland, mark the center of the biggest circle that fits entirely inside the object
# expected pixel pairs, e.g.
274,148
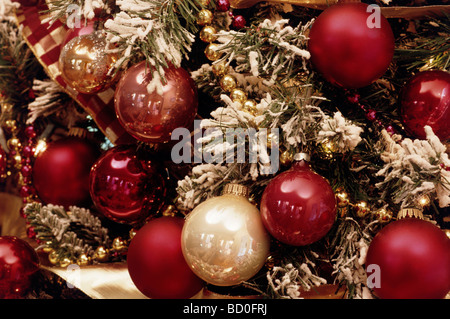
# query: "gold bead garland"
227,82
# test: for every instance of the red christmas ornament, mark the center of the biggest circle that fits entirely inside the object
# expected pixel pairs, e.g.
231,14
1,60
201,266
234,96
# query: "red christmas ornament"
61,171
152,117
27,3
238,22
156,263
298,207
351,45
222,5
18,262
122,189
413,257
425,100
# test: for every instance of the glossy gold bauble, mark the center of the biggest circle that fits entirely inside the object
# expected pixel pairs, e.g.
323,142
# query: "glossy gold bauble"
250,107
85,64
212,53
228,82
223,239
208,34
219,69
238,95
204,17
83,260
101,254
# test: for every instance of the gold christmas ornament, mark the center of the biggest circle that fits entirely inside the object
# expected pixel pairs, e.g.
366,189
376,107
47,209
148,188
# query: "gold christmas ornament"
204,17
53,257
86,65
219,69
83,260
208,34
118,244
238,95
362,209
342,198
11,126
101,254
286,158
384,215
328,148
14,143
223,239
65,262
212,53
250,107
228,82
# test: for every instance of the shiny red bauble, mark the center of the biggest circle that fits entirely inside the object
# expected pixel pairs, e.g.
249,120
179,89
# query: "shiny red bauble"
298,207
425,100
350,45
151,117
18,262
156,264
124,188
61,171
413,257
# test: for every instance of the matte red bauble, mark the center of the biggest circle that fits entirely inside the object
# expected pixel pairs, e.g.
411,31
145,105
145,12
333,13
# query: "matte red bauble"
156,263
298,207
350,45
425,100
151,117
18,262
61,171
413,257
122,188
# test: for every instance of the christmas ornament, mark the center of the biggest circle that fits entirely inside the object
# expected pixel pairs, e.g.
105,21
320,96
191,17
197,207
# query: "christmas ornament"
425,100
61,171
86,65
151,117
238,22
18,262
413,260
122,189
27,3
156,263
223,240
298,207
350,46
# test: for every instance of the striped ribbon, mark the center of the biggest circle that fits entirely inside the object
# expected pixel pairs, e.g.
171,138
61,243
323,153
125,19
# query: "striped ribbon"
45,39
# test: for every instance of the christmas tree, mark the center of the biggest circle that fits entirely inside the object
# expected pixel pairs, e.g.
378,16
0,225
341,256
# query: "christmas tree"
198,148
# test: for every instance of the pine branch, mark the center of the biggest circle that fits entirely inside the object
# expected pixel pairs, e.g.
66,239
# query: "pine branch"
69,233
429,48
18,69
161,32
